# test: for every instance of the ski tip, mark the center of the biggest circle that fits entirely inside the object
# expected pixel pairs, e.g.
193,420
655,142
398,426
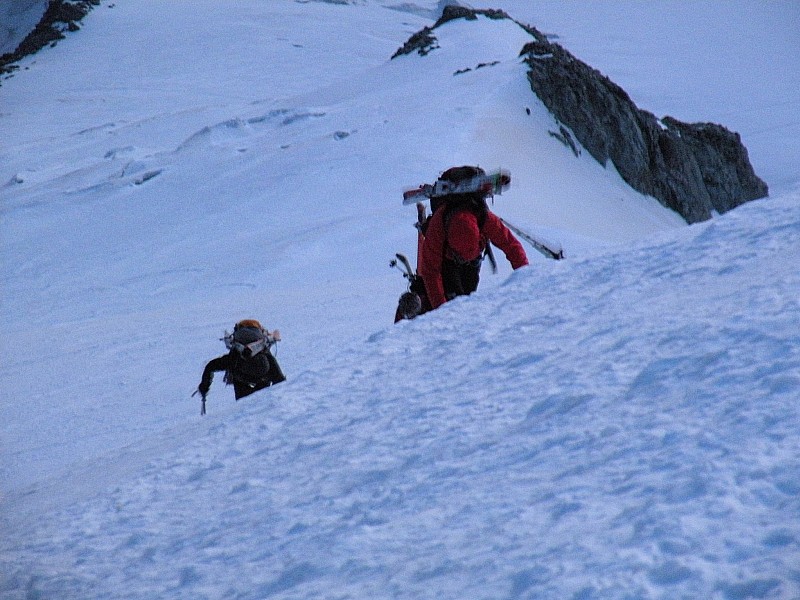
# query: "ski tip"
418,194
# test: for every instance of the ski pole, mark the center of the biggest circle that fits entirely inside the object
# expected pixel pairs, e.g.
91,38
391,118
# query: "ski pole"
490,256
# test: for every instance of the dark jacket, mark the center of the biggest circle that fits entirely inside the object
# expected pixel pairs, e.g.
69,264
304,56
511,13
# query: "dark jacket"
233,366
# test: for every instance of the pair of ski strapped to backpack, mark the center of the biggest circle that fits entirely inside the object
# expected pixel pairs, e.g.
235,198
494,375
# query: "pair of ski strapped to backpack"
488,184
265,341
485,184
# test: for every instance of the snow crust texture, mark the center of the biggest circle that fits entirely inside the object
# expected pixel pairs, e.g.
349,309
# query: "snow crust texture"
625,426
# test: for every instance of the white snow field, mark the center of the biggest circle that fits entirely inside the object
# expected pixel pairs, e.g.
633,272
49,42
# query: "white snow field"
620,424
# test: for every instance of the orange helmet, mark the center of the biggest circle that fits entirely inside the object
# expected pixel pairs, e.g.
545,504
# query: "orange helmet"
248,323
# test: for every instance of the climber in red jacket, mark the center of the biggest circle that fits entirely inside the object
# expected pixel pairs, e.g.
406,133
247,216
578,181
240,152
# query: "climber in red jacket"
456,238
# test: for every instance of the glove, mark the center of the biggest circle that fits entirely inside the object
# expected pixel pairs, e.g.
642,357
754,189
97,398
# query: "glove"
203,389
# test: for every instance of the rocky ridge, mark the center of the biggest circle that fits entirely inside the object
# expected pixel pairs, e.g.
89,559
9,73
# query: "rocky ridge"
60,16
695,169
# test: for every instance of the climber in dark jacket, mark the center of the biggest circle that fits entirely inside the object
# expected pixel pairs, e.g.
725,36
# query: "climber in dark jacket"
249,365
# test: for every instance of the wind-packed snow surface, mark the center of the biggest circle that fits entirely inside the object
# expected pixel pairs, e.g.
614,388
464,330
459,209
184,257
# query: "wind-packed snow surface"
620,424
618,427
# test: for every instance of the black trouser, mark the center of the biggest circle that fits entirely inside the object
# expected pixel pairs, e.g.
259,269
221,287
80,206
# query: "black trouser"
460,279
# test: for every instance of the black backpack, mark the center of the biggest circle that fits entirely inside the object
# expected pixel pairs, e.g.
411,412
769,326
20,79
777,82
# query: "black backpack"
250,364
473,201
448,193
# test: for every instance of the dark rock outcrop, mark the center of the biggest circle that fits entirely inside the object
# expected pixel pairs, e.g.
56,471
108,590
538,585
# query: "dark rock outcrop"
694,169
424,41
60,15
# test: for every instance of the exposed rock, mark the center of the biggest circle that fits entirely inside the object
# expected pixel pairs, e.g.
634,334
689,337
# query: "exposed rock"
17,19
421,42
694,169
60,15
455,11
723,161
424,41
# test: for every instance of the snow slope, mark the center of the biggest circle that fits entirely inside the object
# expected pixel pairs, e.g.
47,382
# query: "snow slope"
640,440
17,19
622,424
158,206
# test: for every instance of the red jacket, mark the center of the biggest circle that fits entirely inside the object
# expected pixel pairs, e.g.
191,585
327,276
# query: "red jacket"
465,240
